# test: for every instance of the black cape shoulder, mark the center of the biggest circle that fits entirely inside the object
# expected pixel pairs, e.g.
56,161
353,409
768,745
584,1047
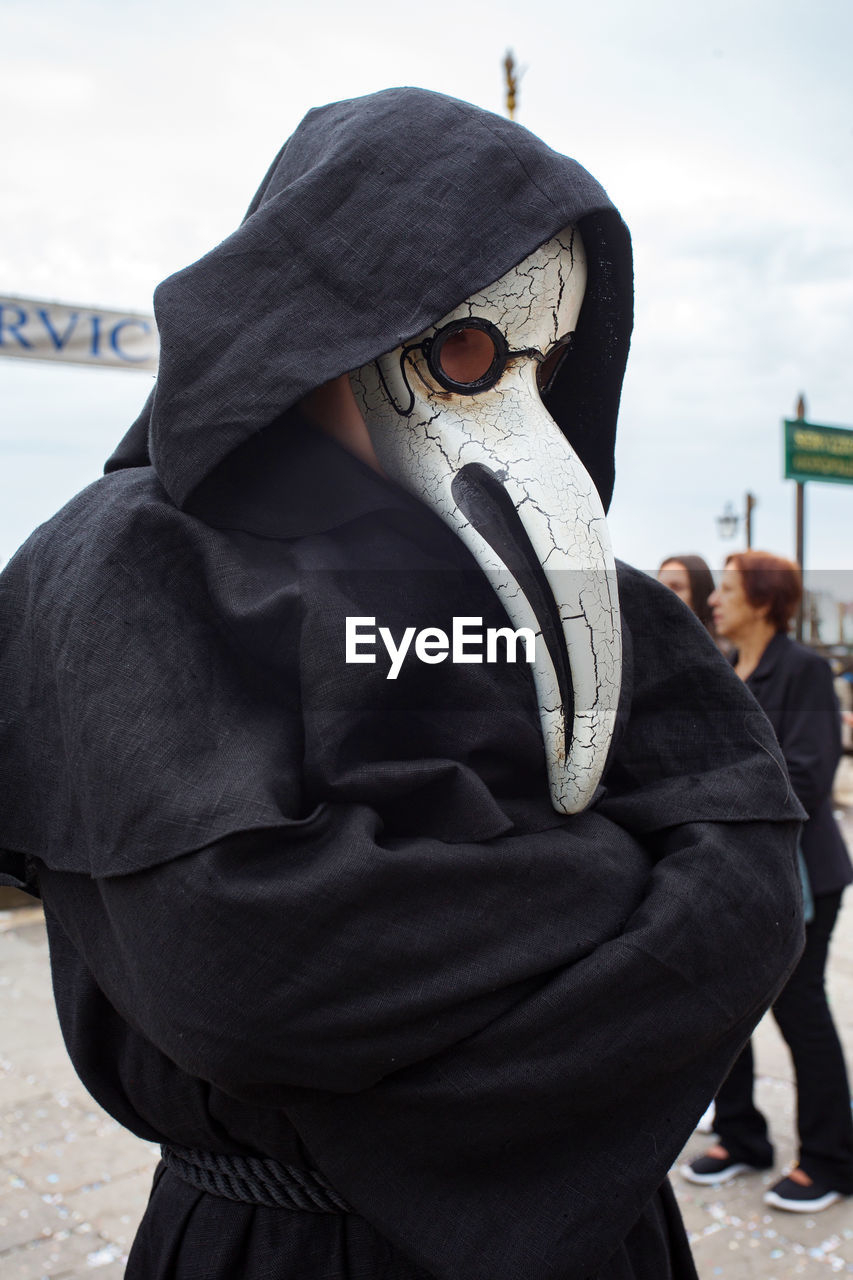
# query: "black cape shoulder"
163,681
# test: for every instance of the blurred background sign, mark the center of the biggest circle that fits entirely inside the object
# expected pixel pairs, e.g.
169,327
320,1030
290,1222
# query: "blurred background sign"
34,330
818,453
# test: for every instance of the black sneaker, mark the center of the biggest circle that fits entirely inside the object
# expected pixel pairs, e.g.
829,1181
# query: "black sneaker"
796,1198
712,1170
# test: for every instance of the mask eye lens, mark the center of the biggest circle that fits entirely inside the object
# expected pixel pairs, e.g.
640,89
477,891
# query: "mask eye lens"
468,356
550,366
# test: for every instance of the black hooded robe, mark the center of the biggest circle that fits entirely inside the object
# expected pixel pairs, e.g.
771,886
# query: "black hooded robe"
302,913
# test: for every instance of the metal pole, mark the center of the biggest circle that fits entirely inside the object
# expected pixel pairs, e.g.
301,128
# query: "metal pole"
801,526
801,511
511,84
751,504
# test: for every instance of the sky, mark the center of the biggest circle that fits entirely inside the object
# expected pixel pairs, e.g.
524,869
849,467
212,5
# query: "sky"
135,135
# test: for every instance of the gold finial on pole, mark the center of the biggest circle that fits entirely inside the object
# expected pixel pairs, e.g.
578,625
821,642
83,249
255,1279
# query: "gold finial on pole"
511,84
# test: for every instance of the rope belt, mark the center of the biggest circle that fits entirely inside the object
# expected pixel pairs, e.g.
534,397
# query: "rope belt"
251,1180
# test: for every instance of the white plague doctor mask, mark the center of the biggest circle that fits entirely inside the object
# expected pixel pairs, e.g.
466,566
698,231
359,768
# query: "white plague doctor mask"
456,417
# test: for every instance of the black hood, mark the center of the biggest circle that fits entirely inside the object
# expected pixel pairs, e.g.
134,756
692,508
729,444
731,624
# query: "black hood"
377,217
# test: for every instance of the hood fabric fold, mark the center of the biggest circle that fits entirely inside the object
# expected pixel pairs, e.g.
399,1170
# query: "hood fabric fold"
379,215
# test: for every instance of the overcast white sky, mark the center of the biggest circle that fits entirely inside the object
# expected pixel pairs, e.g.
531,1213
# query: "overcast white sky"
135,134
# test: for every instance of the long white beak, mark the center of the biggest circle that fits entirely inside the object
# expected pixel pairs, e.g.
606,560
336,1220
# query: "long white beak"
510,485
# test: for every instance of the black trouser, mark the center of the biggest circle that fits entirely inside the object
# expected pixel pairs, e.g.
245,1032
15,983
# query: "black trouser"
824,1121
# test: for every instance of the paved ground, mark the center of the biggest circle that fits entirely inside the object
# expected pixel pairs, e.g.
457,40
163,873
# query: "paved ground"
733,1233
73,1184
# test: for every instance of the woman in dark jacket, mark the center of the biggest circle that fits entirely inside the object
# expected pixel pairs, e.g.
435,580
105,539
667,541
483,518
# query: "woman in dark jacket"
752,608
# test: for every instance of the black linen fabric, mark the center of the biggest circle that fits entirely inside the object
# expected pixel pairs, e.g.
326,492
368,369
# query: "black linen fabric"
416,976
302,911
198,686
200,1237
378,216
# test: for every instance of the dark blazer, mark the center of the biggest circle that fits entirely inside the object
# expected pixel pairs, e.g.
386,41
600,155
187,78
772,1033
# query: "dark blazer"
794,686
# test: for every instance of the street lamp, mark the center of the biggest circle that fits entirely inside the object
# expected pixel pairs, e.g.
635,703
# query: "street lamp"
729,522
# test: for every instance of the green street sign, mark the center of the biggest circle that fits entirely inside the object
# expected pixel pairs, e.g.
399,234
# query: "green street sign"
818,453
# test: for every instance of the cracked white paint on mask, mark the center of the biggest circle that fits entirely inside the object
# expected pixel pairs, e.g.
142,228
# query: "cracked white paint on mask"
508,430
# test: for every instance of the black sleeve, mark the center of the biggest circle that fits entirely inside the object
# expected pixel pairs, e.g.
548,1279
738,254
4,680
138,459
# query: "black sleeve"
810,732
336,961
459,1020
567,1110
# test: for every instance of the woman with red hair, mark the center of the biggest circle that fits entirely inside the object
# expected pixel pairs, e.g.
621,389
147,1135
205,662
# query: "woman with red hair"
752,608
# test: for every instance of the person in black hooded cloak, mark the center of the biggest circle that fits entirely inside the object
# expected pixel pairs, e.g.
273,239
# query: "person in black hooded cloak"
416,964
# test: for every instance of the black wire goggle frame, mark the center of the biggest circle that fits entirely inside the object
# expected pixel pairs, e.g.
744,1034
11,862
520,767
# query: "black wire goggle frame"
478,366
